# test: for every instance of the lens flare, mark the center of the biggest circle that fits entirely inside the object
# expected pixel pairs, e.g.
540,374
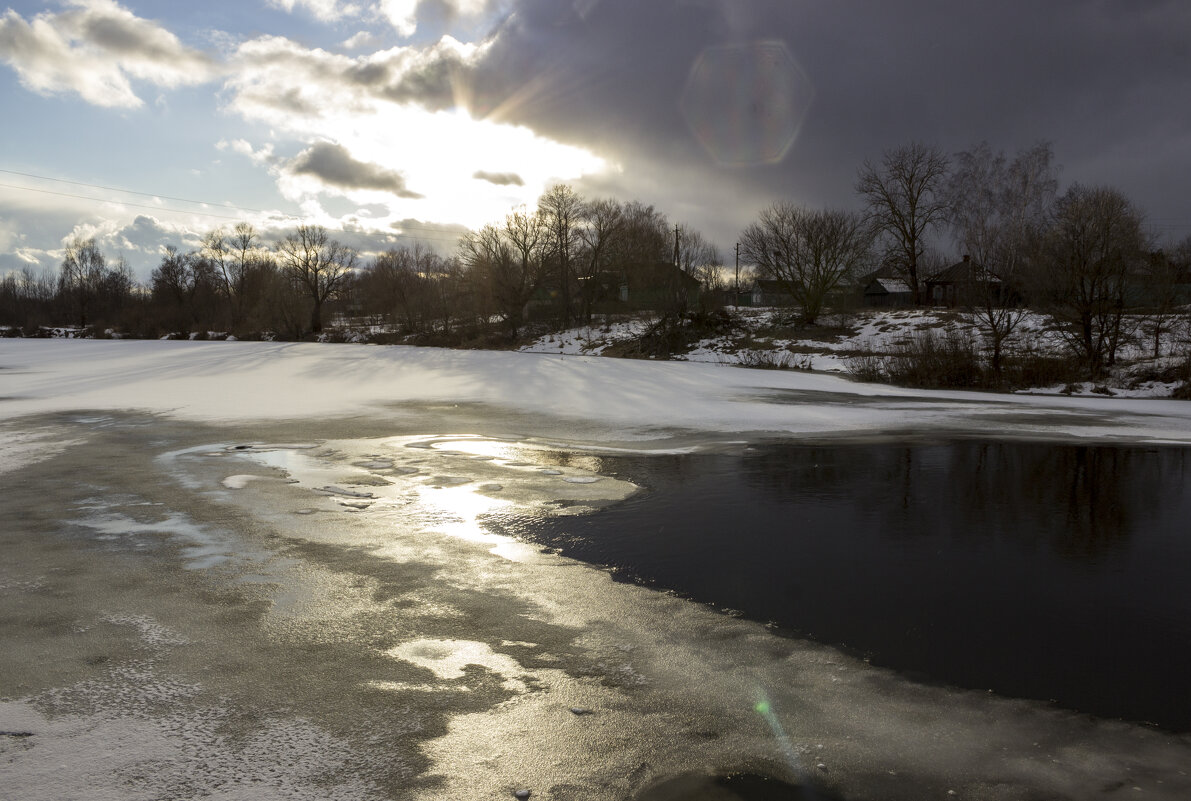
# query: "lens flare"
764,708
745,103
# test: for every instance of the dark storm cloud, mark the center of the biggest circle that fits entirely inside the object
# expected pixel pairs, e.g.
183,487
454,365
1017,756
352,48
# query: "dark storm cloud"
122,33
499,178
1103,80
431,79
334,165
439,236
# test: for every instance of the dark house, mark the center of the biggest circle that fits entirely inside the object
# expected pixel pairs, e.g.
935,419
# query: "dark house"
965,282
883,288
887,293
658,286
770,292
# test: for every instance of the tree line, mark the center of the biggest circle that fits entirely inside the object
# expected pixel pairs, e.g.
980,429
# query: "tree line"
558,263
1082,257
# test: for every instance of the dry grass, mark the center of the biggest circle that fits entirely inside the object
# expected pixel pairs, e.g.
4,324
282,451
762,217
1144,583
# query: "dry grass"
938,359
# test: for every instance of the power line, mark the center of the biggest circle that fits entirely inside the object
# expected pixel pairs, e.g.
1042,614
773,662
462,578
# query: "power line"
404,228
121,202
198,213
131,191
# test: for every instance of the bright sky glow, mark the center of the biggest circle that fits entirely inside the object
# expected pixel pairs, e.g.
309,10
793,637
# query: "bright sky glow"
374,142
439,153
390,121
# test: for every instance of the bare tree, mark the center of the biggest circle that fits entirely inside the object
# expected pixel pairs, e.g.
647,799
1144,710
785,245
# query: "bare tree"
215,250
561,209
26,299
449,300
906,201
526,234
996,207
1162,272
700,259
317,264
80,277
645,237
186,291
392,288
601,224
809,252
507,280
234,257
1086,255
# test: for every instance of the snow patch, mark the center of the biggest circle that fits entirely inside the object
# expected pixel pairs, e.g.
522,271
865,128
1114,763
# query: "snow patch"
448,658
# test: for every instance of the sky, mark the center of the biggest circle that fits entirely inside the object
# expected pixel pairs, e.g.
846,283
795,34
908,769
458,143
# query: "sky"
147,123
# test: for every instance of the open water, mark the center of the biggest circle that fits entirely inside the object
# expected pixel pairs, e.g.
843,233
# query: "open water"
1034,570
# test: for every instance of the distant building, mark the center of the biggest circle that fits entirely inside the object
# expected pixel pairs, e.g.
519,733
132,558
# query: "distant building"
964,282
883,288
636,287
770,292
888,293
658,285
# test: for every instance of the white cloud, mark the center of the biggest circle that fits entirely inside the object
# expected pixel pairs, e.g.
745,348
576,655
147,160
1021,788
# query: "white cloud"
324,10
94,48
242,146
140,239
360,40
403,14
31,256
394,130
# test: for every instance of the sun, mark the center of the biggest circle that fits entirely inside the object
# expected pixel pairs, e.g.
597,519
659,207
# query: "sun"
458,169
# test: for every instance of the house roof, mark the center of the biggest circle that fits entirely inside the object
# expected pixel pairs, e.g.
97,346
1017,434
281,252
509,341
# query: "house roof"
651,275
963,272
887,286
884,271
770,285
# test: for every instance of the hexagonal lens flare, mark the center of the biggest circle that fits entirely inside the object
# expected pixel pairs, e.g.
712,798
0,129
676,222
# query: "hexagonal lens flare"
746,102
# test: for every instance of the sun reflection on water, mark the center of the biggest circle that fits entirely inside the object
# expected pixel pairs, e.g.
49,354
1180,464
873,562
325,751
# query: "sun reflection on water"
488,448
447,484
456,512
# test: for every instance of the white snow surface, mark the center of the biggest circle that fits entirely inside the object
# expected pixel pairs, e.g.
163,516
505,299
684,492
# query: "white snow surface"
244,381
839,337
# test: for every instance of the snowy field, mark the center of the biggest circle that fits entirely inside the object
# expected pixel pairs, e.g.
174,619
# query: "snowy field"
265,571
624,399
879,332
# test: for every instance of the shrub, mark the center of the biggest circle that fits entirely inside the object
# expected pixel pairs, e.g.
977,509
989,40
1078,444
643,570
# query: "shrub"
1183,373
1031,367
669,336
768,360
931,359
868,367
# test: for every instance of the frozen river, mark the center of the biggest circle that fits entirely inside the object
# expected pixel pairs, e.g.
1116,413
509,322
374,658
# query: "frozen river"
321,606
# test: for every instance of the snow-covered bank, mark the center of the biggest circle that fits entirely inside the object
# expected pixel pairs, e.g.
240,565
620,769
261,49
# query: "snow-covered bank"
768,335
242,381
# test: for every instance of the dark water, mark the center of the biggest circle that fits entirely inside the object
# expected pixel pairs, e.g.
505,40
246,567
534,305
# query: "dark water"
1035,570
726,787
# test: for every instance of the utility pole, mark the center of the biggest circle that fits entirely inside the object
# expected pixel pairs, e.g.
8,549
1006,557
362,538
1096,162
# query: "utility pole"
677,263
736,300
